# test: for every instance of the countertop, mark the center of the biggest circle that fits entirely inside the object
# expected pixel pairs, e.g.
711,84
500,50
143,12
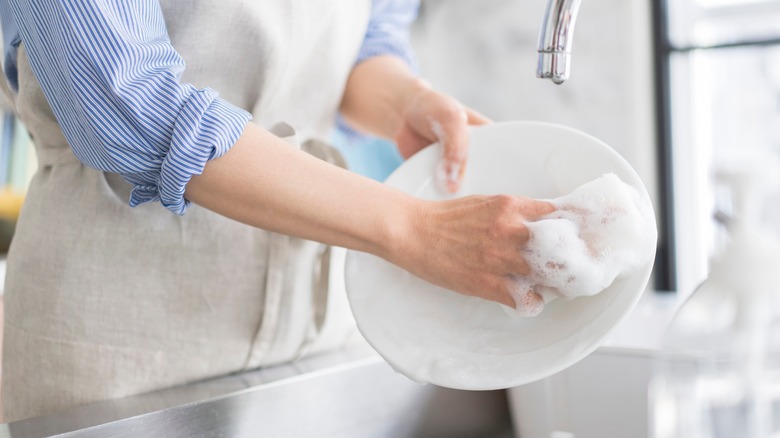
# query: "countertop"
347,393
643,329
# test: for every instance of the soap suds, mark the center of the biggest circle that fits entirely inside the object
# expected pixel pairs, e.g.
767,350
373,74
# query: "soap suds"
602,230
445,172
528,302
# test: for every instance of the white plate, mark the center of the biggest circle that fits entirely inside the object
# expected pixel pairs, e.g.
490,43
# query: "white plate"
402,316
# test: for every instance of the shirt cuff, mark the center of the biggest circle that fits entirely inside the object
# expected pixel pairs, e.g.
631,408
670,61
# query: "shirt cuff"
206,128
397,47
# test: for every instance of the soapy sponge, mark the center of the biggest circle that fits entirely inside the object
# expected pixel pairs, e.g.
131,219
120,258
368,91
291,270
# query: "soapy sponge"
598,232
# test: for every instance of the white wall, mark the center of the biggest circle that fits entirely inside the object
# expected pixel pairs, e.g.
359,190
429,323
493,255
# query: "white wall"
484,53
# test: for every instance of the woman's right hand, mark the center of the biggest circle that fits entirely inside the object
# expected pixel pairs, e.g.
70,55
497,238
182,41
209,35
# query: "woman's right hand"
471,245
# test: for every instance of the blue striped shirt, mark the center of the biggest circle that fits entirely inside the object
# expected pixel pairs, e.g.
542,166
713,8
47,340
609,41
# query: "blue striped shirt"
111,76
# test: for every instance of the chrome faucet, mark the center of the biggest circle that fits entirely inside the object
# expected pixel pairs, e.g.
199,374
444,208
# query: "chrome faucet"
555,40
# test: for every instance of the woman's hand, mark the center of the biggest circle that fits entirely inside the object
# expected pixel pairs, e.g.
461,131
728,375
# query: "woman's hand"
384,98
431,117
472,245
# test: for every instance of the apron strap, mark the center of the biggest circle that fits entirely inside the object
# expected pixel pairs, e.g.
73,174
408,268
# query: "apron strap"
277,331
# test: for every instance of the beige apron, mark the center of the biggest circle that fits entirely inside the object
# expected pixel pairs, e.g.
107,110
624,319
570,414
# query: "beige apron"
103,300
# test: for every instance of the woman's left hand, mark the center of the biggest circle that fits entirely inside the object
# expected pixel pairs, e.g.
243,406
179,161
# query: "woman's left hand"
431,117
385,98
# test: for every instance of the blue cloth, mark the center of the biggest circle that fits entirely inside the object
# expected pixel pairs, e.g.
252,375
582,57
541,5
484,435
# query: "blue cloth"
368,156
111,76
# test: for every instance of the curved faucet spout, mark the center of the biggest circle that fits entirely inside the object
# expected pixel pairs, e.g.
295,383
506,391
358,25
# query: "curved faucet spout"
555,40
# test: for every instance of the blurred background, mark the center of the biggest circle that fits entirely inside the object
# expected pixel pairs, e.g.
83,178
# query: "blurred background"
17,165
683,89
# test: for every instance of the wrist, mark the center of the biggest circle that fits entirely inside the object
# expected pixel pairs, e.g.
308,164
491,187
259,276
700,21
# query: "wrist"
378,93
399,230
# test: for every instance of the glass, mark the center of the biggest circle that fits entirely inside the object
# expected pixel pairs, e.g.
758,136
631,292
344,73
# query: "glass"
719,374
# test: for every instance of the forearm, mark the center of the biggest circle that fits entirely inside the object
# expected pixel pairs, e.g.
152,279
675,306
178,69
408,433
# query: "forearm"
377,94
264,182
469,245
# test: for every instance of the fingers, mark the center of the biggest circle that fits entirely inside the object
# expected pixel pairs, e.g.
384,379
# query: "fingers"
410,142
436,117
483,240
528,303
475,118
533,209
451,128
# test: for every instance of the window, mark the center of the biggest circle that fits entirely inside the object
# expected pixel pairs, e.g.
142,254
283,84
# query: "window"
719,111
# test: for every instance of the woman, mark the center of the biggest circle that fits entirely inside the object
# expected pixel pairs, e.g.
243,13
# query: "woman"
107,298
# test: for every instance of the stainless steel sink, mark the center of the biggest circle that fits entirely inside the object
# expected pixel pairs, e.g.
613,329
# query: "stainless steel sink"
349,393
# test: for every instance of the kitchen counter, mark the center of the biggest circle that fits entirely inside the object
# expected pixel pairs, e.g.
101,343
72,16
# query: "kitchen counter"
350,393
644,328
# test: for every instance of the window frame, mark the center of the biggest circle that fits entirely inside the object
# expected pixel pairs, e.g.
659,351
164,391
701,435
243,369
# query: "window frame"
667,263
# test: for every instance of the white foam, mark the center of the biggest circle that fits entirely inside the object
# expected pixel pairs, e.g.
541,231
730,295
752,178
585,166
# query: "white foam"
602,230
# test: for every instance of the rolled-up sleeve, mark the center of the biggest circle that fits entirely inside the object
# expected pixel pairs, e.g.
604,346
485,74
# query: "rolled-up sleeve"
112,79
388,30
